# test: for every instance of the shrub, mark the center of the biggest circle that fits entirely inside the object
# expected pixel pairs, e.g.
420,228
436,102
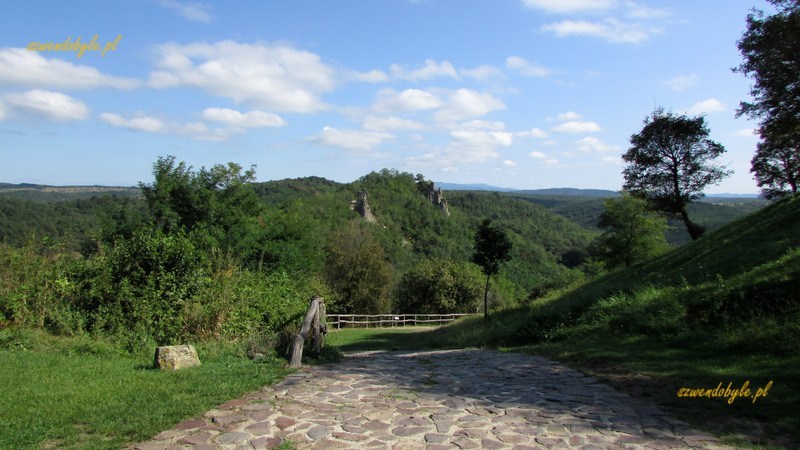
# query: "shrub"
440,286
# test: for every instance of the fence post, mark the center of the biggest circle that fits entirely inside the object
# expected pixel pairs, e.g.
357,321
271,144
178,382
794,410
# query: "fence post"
312,319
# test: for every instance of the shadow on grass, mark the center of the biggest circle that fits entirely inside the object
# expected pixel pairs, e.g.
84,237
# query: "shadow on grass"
656,370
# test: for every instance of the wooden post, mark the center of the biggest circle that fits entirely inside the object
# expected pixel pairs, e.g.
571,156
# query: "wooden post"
312,319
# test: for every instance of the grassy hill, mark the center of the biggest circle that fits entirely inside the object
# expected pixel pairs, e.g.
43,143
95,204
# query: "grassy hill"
725,308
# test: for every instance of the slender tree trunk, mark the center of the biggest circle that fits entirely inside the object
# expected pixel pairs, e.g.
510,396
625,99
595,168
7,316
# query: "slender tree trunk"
690,227
486,300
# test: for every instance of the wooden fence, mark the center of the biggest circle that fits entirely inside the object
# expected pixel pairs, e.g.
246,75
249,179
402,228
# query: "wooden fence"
389,320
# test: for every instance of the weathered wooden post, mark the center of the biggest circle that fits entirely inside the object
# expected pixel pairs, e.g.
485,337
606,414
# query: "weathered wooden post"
314,319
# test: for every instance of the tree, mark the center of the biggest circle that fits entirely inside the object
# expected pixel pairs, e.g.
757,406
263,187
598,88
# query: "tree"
357,271
492,248
776,168
439,286
670,163
632,232
218,206
771,51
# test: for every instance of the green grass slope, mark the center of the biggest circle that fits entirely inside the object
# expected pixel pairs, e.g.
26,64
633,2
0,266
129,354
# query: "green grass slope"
724,309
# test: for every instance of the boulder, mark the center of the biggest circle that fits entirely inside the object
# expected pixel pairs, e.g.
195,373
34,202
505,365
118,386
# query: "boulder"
174,357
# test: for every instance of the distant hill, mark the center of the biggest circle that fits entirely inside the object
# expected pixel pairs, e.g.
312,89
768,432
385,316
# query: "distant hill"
570,192
45,193
472,187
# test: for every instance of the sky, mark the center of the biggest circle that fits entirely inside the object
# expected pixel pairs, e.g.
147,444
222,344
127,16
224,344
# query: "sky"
525,94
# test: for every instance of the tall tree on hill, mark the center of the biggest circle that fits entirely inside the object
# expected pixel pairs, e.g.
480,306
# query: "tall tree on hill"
492,248
670,163
771,51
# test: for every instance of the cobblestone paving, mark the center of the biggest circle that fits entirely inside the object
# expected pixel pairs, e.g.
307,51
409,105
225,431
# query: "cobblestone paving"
435,400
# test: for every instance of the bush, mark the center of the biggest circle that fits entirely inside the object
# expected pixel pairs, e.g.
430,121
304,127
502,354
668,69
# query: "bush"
358,272
440,286
32,282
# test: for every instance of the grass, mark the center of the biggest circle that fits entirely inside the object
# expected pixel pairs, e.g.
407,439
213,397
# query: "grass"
81,393
364,339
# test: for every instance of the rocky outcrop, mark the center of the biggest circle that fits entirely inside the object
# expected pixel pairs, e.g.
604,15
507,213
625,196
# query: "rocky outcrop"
176,357
361,205
436,197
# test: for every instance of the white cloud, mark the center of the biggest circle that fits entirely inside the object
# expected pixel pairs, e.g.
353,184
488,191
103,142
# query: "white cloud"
482,73
707,106
682,82
610,29
569,115
407,100
478,124
193,130
389,123
483,138
197,12
569,6
373,76
543,157
593,144
574,127
526,68
249,119
637,11
142,123
469,146
509,163
537,133
273,77
430,70
466,104
350,139
22,67
41,104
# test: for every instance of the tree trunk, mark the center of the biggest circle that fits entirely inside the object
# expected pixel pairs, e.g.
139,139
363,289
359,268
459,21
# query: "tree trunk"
486,300
694,231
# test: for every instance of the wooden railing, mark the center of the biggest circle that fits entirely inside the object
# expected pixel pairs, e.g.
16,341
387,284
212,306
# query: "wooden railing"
389,320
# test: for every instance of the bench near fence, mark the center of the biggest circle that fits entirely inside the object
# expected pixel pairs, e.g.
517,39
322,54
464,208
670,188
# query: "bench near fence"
389,320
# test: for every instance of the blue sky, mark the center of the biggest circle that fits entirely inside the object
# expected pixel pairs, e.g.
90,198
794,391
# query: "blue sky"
518,93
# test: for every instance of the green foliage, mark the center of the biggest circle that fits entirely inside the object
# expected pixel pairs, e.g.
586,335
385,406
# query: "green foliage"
357,271
32,280
439,286
670,163
492,248
632,233
771,51
141,285
218,205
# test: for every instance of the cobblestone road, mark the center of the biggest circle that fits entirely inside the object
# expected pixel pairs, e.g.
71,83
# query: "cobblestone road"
435,400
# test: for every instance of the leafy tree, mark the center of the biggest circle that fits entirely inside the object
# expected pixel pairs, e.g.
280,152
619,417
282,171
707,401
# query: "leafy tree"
632,232
492,248
771,51
357,271
439,286
670,163
217,206
776,168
